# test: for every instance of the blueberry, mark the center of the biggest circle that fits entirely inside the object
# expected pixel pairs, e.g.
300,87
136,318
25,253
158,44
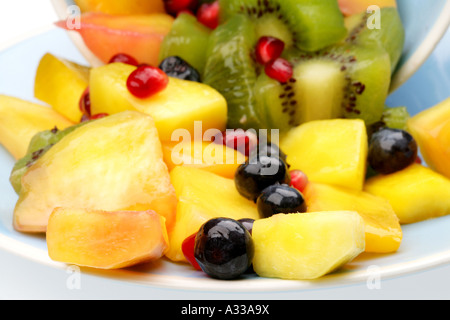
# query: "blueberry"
391,150
278,199
268,149
258,173
224,248
176,67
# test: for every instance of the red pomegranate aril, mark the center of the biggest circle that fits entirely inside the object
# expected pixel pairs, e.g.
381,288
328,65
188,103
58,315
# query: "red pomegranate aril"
174,7
208,14
98,116
85,102
188,247
280,70
146,81
268,49
299,180
239,140
124,58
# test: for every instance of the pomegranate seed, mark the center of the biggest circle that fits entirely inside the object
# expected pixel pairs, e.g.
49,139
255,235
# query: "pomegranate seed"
98,116
279,69
268,49
173,7
208,14
188,247
239,140
146,81
85,102
299,180
124,58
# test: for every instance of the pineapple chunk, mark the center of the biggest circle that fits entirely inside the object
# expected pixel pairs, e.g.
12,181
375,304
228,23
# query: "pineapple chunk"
21,120
416,193
203,196
105,240
208,156
431,129
306,246
110,164
382,227
61,83
329,151
179,106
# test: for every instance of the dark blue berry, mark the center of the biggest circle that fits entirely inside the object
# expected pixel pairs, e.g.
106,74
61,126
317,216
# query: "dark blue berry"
259,173
176,67
278,199
391,150
224,248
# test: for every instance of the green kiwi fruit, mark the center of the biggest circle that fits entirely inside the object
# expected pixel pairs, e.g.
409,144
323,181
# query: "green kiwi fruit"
39,145
308,25
187,39
389,34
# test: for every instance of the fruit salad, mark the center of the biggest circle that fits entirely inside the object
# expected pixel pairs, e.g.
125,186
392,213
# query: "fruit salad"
232,136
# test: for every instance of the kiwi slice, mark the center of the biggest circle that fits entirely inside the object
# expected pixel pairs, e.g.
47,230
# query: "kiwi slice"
308,25
390,35
232,71
187,39
39,145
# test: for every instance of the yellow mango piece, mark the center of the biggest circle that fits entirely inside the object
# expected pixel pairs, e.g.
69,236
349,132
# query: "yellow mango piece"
105,240
20,120
329,151
110,164
212,157
121,6
306,246
175,108
382,227
431,129
416,193
61,83
202,196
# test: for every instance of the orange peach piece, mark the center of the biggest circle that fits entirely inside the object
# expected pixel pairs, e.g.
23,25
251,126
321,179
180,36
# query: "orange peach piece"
121,6
350,7
209,156
431,129
105,240
20,120
139,36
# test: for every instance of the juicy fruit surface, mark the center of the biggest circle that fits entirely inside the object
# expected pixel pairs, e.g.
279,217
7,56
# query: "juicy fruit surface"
198,202
105,240
178,68
329,151
286,246
109,94
382,228
121,6
139,36
416,193
351,7
224,248
215,158
20,121
431,129
111,164
280,199
60,83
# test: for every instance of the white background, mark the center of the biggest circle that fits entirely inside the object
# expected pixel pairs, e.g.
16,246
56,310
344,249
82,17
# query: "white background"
23,279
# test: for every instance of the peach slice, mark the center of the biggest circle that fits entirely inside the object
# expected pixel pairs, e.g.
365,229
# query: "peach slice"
350,7
139,36
121,6
20,120
106,240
